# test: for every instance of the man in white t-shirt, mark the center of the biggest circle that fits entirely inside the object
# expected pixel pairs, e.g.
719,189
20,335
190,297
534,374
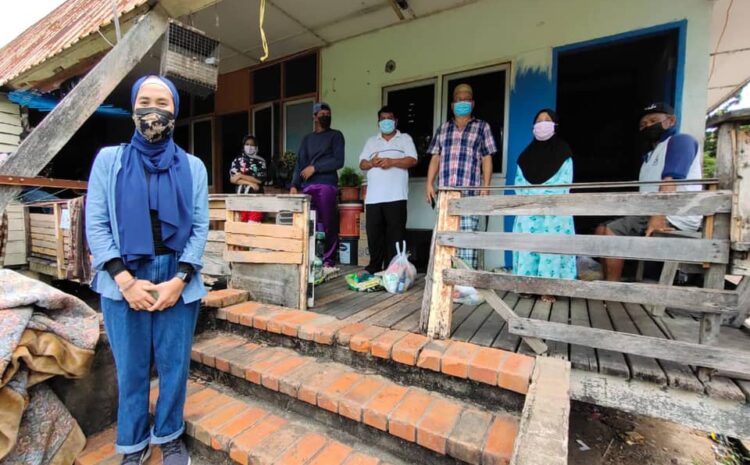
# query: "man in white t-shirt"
386,158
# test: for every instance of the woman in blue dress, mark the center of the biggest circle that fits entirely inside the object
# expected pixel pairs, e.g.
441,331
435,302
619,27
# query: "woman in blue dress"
546,161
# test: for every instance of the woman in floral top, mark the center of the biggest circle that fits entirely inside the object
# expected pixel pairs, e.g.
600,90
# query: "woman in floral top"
248,173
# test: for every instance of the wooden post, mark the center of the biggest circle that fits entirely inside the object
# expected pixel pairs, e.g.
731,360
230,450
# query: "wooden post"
59,240
56,129
714,277
302,220
441,306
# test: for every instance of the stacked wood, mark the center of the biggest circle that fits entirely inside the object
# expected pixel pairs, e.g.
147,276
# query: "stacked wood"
48,242
15,247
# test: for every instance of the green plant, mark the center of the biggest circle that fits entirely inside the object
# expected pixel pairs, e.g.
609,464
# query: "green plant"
349,177
288,160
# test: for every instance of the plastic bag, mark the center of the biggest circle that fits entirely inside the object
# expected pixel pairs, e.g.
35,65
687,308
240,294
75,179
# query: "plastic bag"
466,295
400,274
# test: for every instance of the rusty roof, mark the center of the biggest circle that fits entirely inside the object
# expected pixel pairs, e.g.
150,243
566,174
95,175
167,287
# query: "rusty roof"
62,28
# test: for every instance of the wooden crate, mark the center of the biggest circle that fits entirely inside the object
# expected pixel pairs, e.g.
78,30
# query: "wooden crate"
48,242
269,260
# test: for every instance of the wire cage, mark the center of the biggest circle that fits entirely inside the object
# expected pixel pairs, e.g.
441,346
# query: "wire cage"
190,59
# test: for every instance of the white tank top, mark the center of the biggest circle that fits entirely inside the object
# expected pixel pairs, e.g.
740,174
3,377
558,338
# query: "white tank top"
652,169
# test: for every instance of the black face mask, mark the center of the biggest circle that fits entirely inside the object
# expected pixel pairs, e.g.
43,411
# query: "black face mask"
325,121
154,124
649,136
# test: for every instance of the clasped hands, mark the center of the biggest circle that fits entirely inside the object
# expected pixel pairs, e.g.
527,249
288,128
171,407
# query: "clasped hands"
145,295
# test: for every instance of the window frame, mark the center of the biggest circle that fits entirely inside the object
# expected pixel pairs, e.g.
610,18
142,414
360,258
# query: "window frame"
191,125
284,105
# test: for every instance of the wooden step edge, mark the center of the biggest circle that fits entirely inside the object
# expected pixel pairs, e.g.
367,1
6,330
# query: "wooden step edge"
445,426
464,360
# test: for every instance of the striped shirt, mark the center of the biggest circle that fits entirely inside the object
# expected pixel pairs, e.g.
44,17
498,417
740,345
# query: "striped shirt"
462,151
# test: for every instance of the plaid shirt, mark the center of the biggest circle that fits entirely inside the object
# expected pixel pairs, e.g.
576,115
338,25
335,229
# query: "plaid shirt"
462,151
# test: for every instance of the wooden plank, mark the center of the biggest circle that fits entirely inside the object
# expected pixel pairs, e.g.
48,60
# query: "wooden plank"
385,316
489,330
543,432
217,215
15,248
42,218
393,319
610,362
643,346
645,368
410,323
666,278
597,204
460,313
582,357
540,311
216,236
365,313
51,252
636,248
560,313
301,220
57,127
33,181
506,340
235,256
264,242
679,376
721,387
466,330
360,302
424,314
51,243
266,203
214,248
688,298
260,229
60,250
734,144
500,307
267,283
12,129
441,300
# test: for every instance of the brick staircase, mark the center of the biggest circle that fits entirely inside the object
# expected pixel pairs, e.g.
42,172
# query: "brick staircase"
272,385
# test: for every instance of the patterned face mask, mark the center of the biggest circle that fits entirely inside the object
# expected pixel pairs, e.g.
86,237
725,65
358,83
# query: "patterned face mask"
154,124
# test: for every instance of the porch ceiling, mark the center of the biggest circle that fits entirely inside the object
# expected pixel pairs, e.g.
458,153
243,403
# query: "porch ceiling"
292,26
729,65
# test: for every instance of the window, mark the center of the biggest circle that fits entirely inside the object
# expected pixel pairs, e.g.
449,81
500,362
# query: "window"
301,75
267,84
414,105
298,122
489,86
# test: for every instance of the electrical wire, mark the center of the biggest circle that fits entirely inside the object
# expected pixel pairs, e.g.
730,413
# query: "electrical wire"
261,18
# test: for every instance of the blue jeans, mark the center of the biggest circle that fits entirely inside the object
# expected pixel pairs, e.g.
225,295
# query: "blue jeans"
138,339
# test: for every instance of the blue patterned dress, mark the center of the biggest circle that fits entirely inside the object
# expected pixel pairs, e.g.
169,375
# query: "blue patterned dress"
539,264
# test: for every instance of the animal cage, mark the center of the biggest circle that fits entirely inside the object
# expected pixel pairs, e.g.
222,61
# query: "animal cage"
190,59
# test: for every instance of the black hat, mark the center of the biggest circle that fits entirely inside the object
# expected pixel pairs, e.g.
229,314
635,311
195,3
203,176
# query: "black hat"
657,107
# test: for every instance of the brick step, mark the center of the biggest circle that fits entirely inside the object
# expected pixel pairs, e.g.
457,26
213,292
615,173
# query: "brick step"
222,427
373,346
404,418
225,298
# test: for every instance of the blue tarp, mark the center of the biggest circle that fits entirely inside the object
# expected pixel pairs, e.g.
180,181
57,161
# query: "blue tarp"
45,102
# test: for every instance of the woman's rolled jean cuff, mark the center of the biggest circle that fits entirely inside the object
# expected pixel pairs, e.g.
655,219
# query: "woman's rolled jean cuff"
163,440
131,449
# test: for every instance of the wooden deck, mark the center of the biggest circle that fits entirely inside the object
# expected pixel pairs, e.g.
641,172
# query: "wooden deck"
481,325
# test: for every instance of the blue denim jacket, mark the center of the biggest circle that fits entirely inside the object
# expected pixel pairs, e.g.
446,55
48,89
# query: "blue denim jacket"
101,223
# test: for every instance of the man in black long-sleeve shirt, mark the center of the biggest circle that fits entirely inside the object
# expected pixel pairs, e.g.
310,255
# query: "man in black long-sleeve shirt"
320,156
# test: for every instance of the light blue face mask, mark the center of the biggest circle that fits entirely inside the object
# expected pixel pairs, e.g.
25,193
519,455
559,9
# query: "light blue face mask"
462,108
387,126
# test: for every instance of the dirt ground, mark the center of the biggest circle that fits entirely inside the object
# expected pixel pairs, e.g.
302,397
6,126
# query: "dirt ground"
617,438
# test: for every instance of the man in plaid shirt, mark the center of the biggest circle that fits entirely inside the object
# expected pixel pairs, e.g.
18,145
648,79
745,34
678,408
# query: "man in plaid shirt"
462,152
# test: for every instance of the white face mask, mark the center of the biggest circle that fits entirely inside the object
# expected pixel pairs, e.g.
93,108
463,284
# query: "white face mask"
251,150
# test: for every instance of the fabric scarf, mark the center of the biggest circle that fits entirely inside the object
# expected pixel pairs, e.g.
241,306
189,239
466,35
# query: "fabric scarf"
540,160
169,192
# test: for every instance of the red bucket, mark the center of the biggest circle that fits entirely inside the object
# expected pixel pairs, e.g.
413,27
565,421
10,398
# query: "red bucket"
349,214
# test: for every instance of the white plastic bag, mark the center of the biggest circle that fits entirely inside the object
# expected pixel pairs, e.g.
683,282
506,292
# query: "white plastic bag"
400,274
466,295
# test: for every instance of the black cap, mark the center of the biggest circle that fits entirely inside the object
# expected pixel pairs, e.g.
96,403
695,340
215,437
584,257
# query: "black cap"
657,107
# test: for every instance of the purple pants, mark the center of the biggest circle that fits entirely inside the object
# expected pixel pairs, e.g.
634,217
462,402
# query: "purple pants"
323,201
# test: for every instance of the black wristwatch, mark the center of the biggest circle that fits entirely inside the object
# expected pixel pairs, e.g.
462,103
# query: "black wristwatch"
184,276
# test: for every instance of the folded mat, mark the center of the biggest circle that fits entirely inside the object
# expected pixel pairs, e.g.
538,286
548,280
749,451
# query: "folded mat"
43,332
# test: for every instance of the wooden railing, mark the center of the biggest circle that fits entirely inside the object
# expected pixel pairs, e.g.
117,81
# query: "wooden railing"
712,303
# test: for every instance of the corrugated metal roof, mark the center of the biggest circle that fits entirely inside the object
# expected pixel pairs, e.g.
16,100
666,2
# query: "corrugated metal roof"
63,27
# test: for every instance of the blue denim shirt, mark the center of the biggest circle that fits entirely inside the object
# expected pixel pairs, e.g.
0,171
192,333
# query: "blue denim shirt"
101,223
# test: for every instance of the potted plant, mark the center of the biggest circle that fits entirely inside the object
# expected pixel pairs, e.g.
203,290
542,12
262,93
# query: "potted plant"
285,166
350,181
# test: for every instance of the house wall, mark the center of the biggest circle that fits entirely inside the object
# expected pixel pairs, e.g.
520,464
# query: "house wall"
488,32
10,125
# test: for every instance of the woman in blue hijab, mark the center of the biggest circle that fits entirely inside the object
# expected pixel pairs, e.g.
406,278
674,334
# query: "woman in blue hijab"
147,225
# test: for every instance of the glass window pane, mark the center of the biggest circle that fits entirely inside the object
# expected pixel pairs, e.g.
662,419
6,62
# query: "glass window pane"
203,105
489,105
297,122
203,144
415,110
182,136
267,84
301,75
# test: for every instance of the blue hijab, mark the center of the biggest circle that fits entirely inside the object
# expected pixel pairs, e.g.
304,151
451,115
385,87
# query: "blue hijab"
169,192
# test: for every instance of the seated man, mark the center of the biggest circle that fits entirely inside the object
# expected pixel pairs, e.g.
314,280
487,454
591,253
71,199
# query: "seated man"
667,156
